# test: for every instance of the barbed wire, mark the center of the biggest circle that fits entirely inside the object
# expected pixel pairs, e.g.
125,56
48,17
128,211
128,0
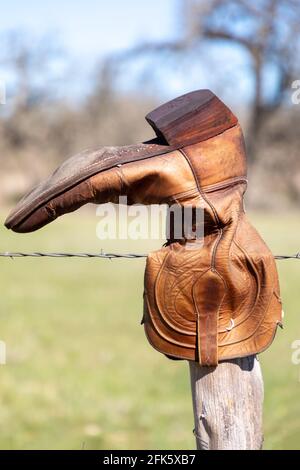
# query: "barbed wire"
282,257
36,254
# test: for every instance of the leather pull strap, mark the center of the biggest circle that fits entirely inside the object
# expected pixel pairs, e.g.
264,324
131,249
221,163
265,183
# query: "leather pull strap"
208,295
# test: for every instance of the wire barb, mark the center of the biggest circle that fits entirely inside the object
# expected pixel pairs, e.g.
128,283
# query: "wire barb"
282,257
102,254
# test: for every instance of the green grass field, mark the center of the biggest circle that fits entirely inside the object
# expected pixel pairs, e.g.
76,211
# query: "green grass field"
80,373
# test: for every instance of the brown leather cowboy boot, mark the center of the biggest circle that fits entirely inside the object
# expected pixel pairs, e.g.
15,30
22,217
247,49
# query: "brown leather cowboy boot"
207,298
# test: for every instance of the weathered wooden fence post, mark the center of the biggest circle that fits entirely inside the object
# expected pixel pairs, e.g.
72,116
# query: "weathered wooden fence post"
228,405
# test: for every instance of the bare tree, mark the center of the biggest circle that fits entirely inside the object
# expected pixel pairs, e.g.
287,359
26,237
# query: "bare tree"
33,64
266,30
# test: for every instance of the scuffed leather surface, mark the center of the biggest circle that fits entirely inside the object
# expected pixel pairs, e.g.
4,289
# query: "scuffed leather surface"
199,312
77,169
149,181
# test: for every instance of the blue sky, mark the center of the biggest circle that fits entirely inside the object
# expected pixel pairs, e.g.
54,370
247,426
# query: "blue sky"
91,29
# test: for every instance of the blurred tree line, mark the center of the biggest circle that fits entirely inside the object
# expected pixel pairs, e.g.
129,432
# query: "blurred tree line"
39,129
